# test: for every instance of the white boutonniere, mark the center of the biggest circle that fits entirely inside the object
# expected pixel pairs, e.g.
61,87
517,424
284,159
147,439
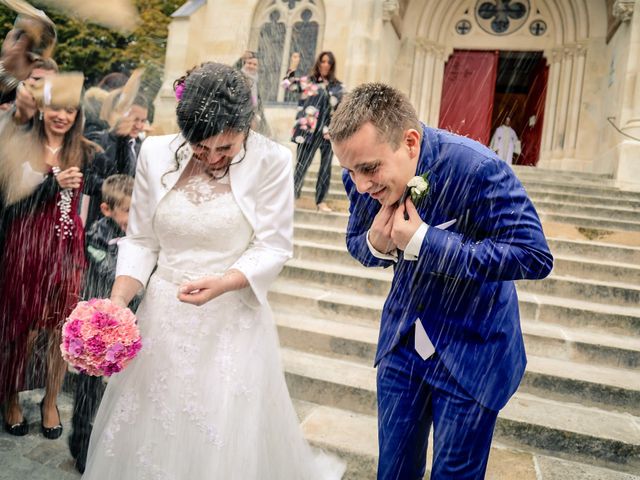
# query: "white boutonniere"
418,187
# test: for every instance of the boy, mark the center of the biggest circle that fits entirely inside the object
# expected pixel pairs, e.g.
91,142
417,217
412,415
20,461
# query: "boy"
102,254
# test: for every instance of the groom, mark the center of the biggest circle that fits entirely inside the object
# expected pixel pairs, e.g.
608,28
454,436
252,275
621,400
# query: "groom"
450,351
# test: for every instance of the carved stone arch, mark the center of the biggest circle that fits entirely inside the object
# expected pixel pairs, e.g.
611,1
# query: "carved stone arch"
428,27
291,21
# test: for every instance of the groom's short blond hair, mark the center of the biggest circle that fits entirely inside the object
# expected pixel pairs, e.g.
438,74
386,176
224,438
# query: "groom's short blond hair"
386,108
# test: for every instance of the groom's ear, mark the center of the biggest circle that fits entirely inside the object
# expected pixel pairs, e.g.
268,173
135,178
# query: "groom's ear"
412,141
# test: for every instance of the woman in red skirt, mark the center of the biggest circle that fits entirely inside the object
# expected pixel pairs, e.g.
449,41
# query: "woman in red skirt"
42,257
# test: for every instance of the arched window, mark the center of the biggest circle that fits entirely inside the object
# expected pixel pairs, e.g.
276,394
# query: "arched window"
281,27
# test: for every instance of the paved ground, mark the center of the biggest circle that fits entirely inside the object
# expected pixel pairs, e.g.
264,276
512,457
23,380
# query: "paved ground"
34,457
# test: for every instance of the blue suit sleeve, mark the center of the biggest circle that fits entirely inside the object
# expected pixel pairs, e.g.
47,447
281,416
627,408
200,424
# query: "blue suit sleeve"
504,238
362,210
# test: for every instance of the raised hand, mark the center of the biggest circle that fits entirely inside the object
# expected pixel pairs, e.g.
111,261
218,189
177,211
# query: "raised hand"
26,106
403,230
380,231
70,178
15,57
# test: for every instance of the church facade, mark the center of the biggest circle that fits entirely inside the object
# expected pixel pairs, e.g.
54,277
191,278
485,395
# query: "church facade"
566,72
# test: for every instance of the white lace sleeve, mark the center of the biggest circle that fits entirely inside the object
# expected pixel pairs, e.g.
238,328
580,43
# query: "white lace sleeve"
272,245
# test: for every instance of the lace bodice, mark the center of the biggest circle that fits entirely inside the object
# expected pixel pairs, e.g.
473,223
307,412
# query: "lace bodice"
200,227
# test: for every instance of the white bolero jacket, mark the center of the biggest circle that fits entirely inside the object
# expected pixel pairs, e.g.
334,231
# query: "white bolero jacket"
262,185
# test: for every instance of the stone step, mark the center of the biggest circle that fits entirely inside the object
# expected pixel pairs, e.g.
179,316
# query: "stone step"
340,219
573,205
549,182
546,337
366,308
577,266
550,186
378,281
617,293
559,247
605,271
524,171
600,223
580,345
527,420
565,379
563,174
620,214
595,250
354,437
336,220
584,216
606,198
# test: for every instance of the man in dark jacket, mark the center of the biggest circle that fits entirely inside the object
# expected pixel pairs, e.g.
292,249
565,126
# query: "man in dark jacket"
121,145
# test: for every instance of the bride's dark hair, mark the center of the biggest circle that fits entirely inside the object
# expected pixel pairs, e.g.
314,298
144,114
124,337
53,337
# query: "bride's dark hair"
216,99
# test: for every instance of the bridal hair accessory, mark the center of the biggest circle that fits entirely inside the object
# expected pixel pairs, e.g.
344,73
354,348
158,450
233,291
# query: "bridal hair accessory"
100,337
179,90
64,227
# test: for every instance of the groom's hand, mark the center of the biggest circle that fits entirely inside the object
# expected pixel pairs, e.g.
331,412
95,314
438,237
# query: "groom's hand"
380,231
403,230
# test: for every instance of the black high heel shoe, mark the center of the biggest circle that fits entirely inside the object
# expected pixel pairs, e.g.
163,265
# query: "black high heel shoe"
18,429
50,432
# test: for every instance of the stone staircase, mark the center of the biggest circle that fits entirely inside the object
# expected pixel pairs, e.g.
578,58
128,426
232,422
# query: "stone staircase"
577,411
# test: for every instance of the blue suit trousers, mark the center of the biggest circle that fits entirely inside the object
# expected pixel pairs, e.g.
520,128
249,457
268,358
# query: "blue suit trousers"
413,394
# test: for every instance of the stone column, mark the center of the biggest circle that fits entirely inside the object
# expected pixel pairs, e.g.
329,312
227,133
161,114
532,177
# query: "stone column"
436,87
417,75
553,85
427,98
559,136
627,173
364,42
630,120
426,85
575,102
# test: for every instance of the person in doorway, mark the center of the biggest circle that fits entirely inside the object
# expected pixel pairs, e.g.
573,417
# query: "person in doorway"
450,351
505,141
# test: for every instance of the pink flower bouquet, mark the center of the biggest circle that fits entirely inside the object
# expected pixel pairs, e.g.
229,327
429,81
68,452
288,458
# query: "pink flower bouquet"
100,338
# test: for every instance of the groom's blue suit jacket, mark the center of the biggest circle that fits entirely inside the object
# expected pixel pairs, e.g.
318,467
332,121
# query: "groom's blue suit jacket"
462,285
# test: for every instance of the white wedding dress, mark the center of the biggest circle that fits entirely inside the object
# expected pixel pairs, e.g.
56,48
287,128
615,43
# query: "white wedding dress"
206,397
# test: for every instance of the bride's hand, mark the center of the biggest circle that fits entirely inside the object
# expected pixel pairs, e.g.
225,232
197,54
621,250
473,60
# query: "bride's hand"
198,292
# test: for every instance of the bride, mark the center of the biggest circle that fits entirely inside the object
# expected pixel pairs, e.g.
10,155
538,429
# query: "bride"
210,228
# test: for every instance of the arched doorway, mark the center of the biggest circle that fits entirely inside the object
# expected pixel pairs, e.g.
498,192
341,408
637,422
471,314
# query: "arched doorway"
482,89
558,30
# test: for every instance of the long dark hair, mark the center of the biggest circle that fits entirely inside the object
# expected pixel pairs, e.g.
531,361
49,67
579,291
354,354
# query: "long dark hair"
315,70
76,150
